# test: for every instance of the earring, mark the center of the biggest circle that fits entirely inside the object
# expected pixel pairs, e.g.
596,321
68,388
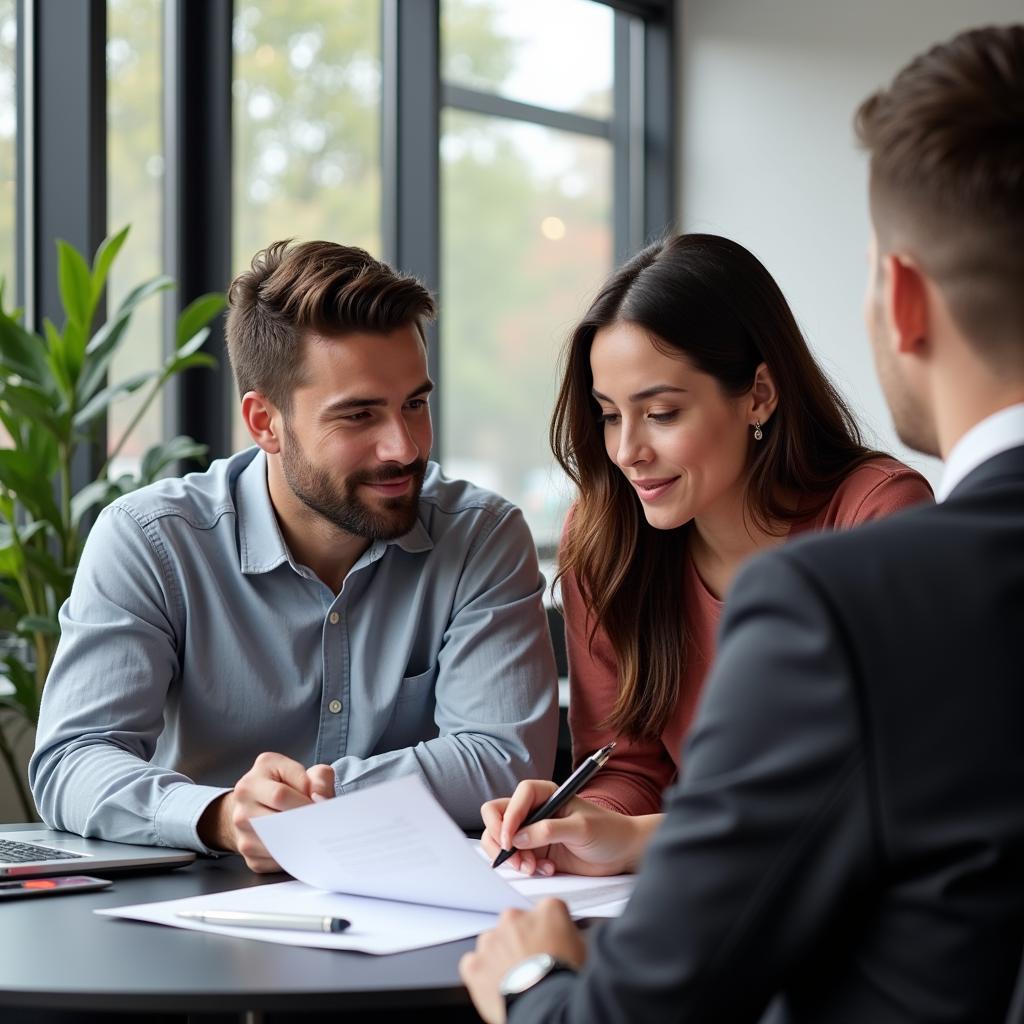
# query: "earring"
758,432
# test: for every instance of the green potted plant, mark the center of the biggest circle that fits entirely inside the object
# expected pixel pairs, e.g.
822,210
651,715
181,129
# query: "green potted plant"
54,392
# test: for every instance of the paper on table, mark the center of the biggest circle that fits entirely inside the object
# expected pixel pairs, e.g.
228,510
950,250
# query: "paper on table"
393,841
378,926
401,871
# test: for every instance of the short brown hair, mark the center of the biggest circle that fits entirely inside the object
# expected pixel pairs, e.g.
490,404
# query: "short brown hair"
946,142
291,289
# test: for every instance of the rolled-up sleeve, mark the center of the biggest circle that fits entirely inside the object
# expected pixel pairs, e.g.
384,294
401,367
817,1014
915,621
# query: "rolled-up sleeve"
103,705
496,694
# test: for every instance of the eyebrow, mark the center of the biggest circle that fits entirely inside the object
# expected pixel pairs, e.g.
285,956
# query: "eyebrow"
348,404
639,396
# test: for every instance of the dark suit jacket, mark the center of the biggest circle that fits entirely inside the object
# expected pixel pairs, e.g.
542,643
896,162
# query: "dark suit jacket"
848,831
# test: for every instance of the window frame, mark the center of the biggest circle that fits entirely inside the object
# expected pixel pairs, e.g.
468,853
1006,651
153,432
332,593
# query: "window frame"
63,174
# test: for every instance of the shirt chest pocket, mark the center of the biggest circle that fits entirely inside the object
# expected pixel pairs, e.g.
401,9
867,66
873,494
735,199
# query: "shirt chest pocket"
414,687
412,716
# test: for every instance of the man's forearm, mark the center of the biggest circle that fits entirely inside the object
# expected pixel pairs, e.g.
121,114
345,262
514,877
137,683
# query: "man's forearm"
100,790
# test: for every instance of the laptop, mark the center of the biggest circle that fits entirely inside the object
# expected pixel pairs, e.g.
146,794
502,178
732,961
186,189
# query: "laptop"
30,852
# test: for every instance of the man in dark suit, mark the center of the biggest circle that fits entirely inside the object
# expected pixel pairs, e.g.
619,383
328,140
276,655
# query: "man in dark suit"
846,842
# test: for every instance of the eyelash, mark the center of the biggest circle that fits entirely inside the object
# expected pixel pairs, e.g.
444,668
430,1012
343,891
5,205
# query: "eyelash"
611,418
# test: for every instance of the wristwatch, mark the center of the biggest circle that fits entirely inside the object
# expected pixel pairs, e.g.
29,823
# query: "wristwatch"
527,973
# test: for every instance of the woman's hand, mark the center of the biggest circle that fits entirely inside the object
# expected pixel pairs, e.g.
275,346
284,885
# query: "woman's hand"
583,840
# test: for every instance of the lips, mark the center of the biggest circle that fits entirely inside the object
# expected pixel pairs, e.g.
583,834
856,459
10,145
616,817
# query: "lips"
651,490
390,488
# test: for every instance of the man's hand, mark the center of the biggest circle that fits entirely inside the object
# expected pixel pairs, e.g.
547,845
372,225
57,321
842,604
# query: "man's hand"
547,928
274,783
584,840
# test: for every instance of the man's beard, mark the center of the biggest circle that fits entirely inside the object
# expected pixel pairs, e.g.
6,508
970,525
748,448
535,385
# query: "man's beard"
313,486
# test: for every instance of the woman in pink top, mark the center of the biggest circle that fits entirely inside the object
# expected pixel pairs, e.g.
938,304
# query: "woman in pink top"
698,430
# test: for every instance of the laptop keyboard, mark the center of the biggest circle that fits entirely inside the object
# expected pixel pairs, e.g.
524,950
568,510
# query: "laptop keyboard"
22,853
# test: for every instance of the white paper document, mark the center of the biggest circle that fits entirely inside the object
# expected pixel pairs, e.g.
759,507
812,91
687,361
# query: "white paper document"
394,841
393,863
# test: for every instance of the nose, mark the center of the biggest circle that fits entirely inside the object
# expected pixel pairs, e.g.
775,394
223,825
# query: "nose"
632,448
396,443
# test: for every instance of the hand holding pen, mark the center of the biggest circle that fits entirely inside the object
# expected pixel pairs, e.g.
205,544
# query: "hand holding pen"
583,839
561,796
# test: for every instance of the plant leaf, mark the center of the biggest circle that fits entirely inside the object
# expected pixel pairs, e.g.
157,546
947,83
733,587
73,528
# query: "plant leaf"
143,291
100,401
74,351
39,624
99,492
43,566
75,282
194,344
105,256
98,355
12,561
56,359
160,456
33,490
29,401
190,363
197,314
25,699
21,353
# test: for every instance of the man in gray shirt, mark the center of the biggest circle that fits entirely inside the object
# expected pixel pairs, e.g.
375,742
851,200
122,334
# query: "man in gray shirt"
326,603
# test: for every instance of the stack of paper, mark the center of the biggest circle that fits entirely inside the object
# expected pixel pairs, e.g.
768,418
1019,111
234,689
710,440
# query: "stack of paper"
390,860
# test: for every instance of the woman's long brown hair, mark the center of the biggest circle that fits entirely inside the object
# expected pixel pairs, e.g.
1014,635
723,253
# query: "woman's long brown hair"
709,299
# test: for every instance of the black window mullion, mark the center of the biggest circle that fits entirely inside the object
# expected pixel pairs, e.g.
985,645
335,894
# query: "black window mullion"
623,230
66,130
659,127
410,157
197,204
644,133
492,105
649,10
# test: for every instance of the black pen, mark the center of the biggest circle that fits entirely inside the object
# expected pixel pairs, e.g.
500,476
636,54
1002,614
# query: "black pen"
268,919
561,796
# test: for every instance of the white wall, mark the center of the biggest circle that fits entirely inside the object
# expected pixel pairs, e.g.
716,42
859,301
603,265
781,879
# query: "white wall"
767,93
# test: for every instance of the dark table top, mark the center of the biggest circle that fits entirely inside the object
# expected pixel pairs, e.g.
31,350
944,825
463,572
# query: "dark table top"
56,953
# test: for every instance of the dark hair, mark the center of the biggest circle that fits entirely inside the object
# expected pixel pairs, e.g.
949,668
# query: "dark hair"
290,290
946,143
712,301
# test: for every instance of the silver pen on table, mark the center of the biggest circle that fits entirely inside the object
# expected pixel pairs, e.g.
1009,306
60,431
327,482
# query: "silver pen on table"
255,919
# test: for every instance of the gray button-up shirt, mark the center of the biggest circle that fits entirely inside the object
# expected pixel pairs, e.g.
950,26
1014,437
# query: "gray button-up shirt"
192,641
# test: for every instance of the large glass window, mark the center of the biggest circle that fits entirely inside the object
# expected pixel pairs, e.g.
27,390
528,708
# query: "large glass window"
307,85
526,236
8,149
551,53
135,172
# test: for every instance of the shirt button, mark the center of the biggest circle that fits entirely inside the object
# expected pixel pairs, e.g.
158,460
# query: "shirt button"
334,707
333,618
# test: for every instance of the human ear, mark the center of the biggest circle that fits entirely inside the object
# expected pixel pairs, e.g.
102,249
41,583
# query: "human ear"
262,419
905,297
764,395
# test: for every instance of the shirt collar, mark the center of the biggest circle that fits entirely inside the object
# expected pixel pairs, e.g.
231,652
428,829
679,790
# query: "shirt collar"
994,434
262,547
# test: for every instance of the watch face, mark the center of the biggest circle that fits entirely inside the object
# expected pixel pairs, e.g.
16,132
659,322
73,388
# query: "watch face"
527,973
